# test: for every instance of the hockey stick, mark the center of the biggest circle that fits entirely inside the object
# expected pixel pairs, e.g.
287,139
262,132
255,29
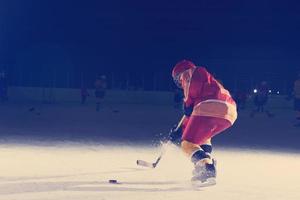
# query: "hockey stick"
153,165
149,164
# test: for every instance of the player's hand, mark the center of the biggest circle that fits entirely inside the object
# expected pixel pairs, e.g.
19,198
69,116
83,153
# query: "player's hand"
175,135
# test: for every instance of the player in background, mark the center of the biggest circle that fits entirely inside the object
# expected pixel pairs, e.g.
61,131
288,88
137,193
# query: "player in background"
261,99
209,109
100,89
3,85
84,93
296,93
241,99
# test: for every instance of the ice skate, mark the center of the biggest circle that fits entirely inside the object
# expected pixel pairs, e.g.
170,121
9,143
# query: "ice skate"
204,174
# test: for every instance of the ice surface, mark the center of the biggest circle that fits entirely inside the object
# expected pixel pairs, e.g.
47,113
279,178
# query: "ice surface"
82,172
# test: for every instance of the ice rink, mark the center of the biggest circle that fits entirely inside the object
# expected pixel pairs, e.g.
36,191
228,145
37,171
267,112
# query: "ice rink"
82,172
59,152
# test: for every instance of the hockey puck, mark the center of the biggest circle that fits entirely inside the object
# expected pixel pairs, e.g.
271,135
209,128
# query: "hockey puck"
113,181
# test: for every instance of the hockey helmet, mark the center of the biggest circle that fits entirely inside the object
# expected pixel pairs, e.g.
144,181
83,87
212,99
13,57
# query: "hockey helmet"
179,68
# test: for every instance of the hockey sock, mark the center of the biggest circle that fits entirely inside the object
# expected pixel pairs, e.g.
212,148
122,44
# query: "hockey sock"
199,155
207,148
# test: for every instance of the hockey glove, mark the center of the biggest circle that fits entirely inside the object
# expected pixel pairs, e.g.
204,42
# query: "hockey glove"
175,135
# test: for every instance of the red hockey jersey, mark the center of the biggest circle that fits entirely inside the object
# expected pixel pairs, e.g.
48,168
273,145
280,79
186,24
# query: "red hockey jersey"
207,96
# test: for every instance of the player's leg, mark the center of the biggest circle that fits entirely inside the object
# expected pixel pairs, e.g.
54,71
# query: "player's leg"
207,146
197,133
204,167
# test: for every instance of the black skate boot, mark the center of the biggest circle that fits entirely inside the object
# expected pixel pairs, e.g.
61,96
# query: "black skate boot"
204,174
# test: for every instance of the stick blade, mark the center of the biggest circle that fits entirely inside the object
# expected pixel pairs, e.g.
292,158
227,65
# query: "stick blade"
145,163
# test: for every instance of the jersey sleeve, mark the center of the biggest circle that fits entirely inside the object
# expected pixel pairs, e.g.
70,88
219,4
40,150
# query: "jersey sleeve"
195,89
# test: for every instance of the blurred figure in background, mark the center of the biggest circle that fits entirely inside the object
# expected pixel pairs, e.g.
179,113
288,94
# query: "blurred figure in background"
3,86
297,98
84,94
100,89
261,99
241,98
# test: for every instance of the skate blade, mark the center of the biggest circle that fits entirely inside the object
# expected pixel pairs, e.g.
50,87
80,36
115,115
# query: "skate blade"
207,183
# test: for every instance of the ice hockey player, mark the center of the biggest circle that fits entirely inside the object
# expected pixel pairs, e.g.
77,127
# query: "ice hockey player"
209,109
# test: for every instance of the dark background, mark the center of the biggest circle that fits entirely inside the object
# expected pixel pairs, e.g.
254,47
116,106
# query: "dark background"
68,42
